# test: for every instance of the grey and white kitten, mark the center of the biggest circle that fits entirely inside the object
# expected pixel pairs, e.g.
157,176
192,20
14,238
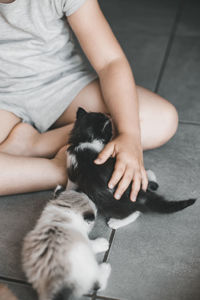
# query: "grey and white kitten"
58,256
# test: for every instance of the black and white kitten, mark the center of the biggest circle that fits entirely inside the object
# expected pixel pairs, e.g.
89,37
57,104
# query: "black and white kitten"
58,256
91,132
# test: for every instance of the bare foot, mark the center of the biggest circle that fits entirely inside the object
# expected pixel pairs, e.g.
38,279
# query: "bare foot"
60,162
21,141
5,293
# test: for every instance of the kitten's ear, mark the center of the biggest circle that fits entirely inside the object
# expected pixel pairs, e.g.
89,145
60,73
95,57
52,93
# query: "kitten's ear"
80,113
107,131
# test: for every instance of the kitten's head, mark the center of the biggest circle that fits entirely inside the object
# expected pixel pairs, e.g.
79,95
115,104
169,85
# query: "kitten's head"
91,126
79,205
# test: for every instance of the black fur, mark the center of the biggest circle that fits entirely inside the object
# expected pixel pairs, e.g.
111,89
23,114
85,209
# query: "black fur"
92,179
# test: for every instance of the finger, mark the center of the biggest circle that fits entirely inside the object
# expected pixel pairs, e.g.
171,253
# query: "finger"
124,183
144,180
117,174
105,154
135,186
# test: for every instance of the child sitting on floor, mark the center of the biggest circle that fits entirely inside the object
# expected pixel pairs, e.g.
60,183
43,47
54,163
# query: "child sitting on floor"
44,79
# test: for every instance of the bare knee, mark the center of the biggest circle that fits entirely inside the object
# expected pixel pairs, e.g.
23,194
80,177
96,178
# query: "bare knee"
7,122
159,126
167,124
170,123
21,141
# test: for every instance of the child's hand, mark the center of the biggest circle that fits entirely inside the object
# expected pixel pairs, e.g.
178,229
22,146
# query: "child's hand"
128,167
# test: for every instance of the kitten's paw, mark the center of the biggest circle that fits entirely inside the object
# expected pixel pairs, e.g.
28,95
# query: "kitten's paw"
105,270
100,245
103,244
153,186
114,223
151,175
117,223
153,183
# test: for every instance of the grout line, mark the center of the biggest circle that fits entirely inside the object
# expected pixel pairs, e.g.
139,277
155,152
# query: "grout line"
110,244
12,280
90,296
189,123
94,297
169,45
106,298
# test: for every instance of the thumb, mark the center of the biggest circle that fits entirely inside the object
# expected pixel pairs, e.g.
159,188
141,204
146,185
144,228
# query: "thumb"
105,154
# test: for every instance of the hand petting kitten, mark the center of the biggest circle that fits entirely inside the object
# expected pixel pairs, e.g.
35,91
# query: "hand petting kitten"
93,132
129,165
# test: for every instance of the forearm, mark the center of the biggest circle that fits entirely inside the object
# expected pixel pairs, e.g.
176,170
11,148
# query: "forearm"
120,95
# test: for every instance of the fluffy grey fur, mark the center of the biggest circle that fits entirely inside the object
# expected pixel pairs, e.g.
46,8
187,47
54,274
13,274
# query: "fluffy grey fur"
58,257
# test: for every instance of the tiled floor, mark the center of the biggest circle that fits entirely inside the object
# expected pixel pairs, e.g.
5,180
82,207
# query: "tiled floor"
157,257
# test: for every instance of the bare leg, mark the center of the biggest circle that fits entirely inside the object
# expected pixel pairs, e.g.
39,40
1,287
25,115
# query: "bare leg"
158,117
24,174
5,293
24,140
7,123
158,121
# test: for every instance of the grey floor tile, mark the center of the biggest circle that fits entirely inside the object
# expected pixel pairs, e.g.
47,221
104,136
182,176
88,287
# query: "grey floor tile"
190,22
142,16
145,54
180,83
143,32
158,257
18,215
23,292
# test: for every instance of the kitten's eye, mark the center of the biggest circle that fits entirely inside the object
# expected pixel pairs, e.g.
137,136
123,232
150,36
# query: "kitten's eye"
90,131
89,216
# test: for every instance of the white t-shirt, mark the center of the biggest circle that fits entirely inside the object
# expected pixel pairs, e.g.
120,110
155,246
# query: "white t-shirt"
41,69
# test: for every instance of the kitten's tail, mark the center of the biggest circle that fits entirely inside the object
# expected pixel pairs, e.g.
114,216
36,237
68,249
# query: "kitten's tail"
157,203
65,293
